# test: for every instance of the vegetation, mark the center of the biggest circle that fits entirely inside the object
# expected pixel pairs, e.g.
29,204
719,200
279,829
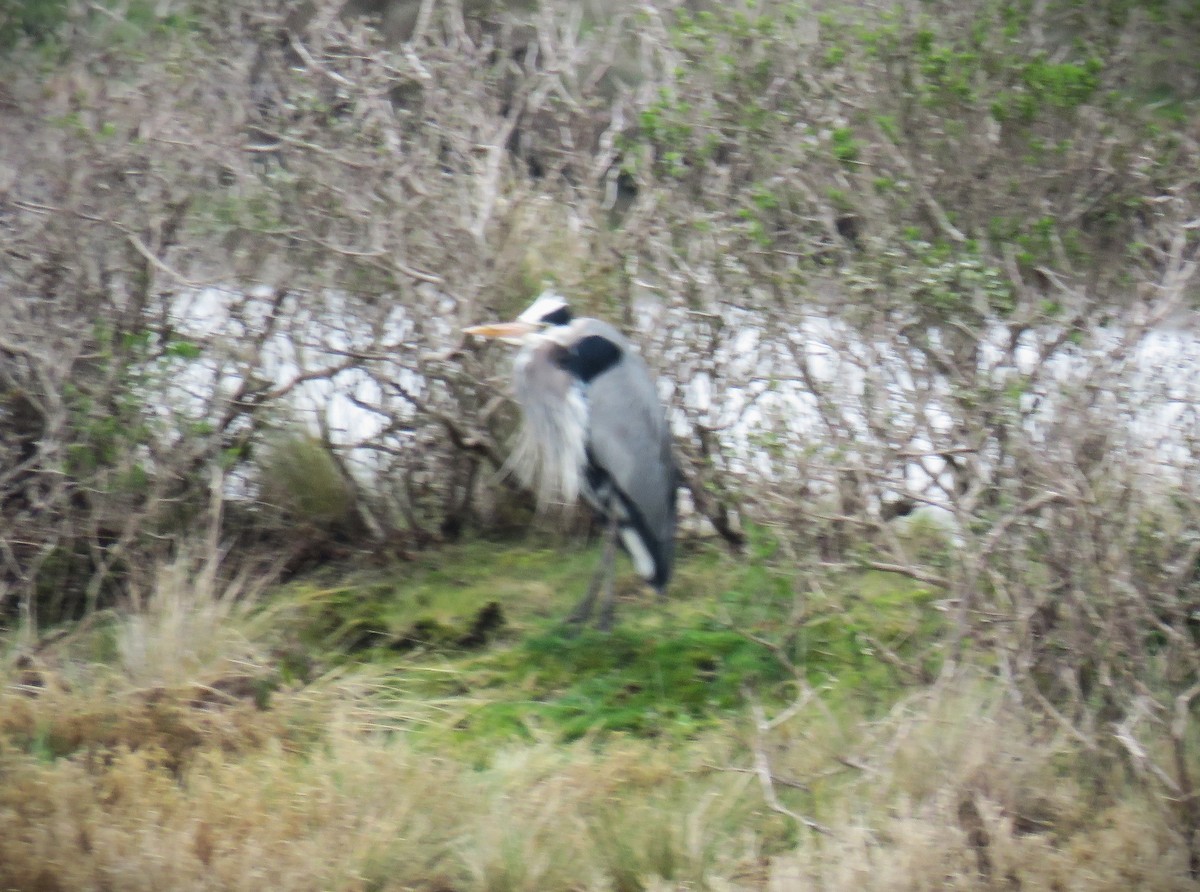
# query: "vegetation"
920,279
214,738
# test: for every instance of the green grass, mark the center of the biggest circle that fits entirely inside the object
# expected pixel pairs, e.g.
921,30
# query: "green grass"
470,647
213,738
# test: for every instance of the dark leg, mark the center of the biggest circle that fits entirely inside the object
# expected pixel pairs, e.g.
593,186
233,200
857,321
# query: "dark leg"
608,567
583,610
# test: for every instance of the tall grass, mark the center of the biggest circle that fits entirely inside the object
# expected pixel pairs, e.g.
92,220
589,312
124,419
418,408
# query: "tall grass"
166,751
946,799
187,625
961,788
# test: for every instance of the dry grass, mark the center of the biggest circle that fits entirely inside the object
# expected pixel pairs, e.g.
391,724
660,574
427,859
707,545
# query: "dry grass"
960,789
189,625
360,810
946,798
167,766
180,762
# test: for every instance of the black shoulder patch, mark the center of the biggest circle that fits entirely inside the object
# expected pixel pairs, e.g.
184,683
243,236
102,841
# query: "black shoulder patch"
560,316
591,356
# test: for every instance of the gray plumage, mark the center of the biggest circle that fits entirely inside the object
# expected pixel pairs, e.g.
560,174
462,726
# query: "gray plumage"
629,439
593,425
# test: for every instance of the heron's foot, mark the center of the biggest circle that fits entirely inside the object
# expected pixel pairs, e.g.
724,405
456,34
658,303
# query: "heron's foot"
573,625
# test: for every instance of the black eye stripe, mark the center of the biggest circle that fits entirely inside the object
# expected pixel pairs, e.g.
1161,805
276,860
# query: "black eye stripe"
560,316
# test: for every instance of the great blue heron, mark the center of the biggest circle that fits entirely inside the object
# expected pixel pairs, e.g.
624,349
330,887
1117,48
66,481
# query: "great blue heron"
593,425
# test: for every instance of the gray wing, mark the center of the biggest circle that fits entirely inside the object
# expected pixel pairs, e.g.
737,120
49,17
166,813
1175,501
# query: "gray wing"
630,442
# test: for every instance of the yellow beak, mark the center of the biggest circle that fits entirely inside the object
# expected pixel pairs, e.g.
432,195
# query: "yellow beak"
514,330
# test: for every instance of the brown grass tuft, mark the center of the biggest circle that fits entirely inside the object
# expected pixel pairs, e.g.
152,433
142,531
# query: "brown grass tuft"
963,790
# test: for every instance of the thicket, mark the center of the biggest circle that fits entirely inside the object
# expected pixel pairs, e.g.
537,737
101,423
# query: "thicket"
920,277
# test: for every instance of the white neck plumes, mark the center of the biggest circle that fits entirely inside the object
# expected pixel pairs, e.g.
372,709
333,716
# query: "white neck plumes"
551,446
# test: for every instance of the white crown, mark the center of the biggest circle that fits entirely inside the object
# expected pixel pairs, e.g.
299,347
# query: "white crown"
546,303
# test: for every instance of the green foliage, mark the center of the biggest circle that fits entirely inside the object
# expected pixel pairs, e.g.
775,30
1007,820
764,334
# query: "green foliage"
256,212
948,72
832,636
298,476
1043,88
845,149
112,409
687,129
945,281
124,25
33,20
1038,240
986,105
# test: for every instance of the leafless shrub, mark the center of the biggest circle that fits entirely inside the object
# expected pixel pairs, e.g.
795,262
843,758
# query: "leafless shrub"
941,261
897,260
201,246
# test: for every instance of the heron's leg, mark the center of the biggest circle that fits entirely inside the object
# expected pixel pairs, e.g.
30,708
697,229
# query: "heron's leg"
583,610
609,602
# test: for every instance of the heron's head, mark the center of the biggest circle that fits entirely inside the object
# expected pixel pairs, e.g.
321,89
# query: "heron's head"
549,311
